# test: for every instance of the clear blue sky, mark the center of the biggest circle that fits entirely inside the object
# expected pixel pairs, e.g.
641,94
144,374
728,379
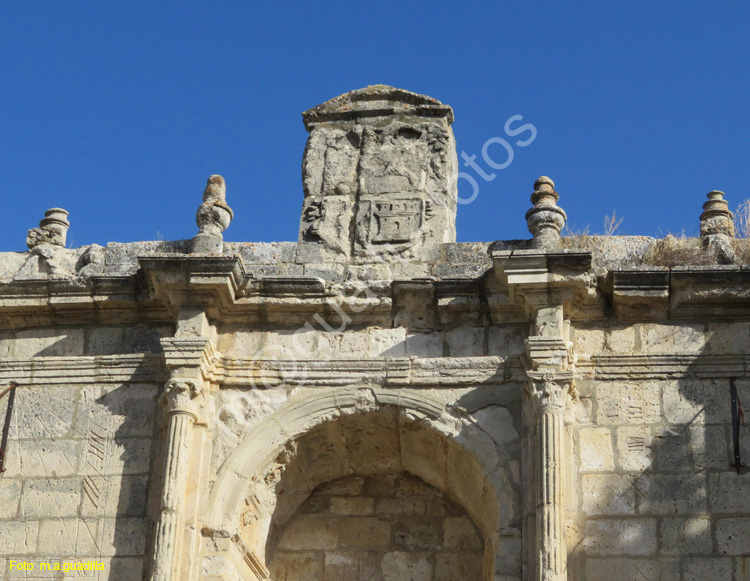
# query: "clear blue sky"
119,112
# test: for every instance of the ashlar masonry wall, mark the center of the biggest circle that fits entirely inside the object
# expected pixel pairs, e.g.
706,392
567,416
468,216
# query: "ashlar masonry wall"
81,451
655,494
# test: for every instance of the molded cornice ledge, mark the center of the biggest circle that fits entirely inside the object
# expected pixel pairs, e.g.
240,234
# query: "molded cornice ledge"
213,282
536,279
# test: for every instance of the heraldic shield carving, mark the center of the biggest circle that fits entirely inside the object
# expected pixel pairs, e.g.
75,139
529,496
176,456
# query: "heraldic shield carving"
379,175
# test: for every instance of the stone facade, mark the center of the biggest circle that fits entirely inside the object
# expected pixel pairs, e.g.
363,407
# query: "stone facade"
376,401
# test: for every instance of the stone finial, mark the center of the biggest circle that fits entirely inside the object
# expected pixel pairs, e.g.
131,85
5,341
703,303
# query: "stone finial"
717,227
213,217
546,218
53,229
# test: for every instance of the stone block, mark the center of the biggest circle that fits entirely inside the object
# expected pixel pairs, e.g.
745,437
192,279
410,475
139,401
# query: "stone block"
671,449
460,533
631,536
351,566
361,532
18,538
296,566
306,532
506,341
68,537
703,569
397,566
349,506
10,494
48,343
466,342
400,506
668,494
709,447
411,486
379,486
634,444
124,537
44,413
608,494
132,407
633,569
123,569
733,536
681,536
129,456
455,566
590,342
351,486
114,340
497,421
126,496
425,344
387,342
678,338
417,533
693,401
48,497
596,453
50,458
628,404
621,340
730,492
726,338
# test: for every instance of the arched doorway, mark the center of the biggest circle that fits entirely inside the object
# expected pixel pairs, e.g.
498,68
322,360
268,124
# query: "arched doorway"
369,436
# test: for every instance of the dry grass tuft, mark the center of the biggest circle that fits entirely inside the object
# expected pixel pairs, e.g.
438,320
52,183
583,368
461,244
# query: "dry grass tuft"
678,251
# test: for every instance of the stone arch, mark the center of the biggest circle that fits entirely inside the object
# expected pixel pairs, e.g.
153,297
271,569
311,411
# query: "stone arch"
329,434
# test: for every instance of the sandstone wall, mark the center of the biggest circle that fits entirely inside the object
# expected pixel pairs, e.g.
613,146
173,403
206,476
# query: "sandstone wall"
655,494
380,529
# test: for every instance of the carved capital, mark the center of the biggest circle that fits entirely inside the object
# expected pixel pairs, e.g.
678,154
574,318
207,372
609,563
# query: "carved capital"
183,396
548,393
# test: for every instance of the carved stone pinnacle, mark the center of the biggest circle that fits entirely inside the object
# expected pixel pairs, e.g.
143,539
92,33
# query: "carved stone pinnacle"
717,227
546,219
52,229
213,217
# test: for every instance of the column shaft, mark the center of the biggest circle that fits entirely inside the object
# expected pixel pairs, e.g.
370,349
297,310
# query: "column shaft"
171,520
550,536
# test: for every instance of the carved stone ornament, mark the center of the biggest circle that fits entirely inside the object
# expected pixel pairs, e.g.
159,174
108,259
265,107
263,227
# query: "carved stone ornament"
53,229
379,175
546,219
213,217
717,227
548,395
182,396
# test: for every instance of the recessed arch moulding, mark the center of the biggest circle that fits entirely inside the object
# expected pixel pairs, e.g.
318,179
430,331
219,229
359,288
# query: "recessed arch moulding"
324,435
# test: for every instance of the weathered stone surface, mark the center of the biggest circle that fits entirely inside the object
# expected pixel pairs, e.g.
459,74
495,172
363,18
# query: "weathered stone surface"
686,536
633,536
596,450
376,401
399,565
379,177
732,535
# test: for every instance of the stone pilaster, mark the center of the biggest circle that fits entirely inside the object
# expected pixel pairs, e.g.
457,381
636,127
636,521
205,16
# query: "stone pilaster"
182,400
548,399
